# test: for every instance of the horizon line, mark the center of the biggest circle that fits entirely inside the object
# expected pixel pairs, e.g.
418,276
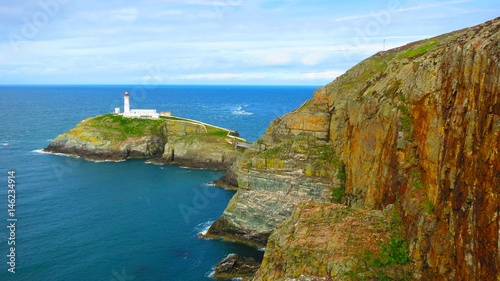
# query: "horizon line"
162,85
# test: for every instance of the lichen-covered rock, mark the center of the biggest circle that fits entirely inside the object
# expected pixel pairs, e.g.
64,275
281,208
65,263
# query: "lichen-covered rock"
201,152
234,266
271,184
321,241
168,140
420,123
110,137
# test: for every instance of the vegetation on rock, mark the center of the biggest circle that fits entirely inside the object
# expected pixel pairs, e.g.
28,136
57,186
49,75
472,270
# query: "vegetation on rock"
419,123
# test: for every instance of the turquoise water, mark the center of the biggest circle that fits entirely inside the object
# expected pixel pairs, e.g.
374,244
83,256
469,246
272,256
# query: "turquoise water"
83,220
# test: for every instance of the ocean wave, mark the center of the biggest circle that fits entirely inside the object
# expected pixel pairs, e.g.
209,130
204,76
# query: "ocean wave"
203,227
211,273
189,168
241,112
102,161
153,163
41,151
238,110
262,249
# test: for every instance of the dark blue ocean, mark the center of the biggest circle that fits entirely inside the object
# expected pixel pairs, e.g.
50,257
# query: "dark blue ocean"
83,220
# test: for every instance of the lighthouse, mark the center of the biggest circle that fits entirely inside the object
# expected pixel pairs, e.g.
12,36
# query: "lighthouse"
126,103
127,112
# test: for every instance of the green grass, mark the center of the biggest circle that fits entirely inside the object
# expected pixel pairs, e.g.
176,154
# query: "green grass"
428,206
420,50
306,105
338,193
211,130
218,133
373,66
405,119
419,185
328,154
116,126
393,251
173,118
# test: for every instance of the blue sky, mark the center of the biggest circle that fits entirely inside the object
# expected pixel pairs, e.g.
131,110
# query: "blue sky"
246,42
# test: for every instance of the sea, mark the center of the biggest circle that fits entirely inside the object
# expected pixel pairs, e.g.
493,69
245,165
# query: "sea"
73,219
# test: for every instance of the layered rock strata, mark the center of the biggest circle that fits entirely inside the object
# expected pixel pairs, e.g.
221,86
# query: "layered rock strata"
418,126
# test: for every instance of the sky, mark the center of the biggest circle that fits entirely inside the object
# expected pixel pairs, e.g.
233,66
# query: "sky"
224,42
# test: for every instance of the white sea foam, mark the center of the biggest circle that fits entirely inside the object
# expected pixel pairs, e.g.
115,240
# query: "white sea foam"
41,151
189,168
262,249
211,273
236,279
102,161
5,144
203,227
241,112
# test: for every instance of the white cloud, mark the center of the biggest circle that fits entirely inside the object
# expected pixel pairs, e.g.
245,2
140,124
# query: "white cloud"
322,75
50,70
217,76
126,14
168,13
212,76
400,10
313,59
276,58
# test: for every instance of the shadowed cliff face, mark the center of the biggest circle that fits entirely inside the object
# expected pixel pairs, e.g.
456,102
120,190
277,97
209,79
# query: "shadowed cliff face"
418,125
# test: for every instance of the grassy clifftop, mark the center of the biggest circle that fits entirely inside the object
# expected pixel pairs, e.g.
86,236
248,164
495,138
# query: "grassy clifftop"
116,137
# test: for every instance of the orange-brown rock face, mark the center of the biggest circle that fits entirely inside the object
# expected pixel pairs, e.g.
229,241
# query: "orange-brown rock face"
421,123
418,126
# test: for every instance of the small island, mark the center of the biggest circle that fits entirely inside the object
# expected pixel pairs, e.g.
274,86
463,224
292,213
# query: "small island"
161,138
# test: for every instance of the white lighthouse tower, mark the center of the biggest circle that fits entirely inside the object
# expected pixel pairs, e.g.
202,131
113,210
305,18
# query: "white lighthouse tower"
126,103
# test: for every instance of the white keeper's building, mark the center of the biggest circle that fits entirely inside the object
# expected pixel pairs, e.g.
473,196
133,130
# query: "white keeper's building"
127,112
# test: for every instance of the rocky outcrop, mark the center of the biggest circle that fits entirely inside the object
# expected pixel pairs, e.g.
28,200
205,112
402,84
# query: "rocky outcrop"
322,241
234,266
271,183
167,140
418,126
201,151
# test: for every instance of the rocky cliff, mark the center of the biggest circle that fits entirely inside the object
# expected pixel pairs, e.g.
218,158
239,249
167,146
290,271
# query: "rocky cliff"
418,127
168,140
